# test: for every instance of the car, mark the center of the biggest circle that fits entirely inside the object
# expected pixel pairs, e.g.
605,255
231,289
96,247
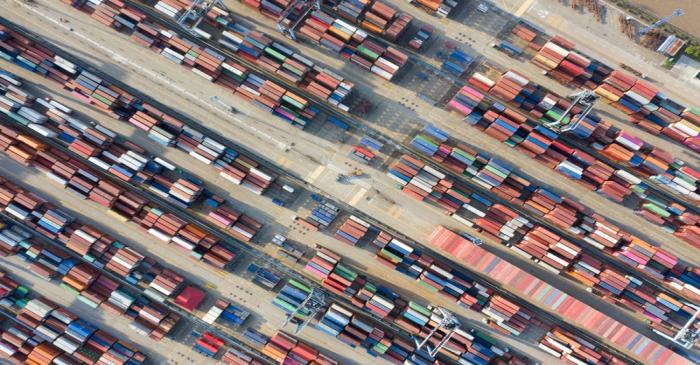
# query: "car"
483,8
423,34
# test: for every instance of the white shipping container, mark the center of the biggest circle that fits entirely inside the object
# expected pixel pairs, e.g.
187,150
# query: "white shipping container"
381,72
516,77
483,79
159,234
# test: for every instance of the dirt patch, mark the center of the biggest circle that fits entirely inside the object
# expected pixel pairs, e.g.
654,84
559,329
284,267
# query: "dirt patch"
689,21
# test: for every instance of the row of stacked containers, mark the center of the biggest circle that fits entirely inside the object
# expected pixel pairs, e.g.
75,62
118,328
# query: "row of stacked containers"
541,201
48,333
209,63
159,282
645,161
645,104
440,277
536,290
128,161
550,250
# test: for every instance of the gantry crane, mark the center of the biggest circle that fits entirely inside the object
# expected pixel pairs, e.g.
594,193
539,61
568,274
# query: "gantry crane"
313,304
689,335
196,13
288,29
449,324
586,99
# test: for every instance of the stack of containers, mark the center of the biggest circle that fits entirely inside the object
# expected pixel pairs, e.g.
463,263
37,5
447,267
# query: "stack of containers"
291,296
421,181
226,311
322,216
559,303
280,59
438,7
166,283
285,349
456,62
574,349
270,8
345,282
208,345
353,43
236,357
239,225
352,230
376,17
548,249
171,8
217,68
510,317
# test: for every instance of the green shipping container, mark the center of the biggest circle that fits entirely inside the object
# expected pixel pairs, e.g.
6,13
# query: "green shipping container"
274,54
367,53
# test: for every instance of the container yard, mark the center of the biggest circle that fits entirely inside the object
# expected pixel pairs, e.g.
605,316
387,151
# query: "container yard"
340,182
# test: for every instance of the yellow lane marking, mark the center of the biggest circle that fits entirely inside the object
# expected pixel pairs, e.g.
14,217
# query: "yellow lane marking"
356,198
315,174
523,8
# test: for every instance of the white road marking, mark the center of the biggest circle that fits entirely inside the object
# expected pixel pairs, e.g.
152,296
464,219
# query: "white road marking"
315,174
523,8
356,198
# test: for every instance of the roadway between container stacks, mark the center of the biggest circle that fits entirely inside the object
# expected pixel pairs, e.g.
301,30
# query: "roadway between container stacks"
148,10
550,319
334,111
392,97
649,230
243,293
280,220
159,352
191,319
286,269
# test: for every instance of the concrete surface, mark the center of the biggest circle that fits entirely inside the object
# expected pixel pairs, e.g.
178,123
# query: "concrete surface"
317,157
166,351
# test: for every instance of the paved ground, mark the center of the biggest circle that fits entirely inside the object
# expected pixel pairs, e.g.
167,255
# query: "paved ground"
316,158
278,220
159,352
400,114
